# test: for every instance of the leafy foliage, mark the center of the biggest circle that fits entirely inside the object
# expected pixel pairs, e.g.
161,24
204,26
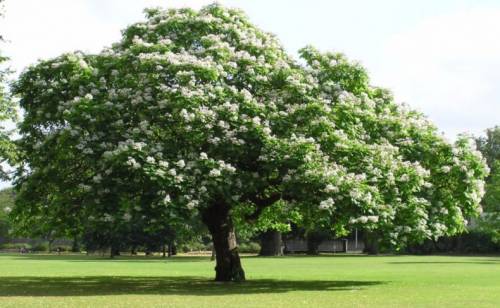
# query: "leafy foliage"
6,205
490,147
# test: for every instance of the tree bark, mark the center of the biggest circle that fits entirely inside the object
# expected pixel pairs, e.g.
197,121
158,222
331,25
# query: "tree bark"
133,251
114,250
371,243
51,241
75,247
170,249
270,243
228,265
313,239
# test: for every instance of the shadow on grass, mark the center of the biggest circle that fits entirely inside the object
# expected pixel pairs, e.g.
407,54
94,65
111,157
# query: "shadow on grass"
139,259
189,286
491,262
94,258
183,258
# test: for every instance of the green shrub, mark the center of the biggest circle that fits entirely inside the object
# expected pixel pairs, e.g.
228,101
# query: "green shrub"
471,242
41,247
15,246
194,246
250,247
64,248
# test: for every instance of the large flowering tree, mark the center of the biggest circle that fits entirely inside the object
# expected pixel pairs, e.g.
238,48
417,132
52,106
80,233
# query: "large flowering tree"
199,114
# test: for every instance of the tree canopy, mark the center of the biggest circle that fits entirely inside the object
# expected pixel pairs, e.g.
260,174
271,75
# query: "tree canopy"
490,147
6,205
201,115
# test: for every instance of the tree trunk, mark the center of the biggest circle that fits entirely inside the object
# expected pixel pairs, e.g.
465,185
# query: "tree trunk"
114,251
75,247
371,243
212,258
228,265
270,243
51,241
313,239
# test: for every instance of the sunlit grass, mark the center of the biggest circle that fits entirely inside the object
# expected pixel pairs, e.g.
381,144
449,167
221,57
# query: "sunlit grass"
325,281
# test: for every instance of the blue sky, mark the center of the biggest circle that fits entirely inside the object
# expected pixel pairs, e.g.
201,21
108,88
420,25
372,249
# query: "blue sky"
441,57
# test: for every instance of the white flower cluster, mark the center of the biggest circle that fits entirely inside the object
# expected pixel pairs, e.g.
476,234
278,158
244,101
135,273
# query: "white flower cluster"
326,204
364,219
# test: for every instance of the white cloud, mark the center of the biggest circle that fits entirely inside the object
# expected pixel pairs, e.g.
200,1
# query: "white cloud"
448,67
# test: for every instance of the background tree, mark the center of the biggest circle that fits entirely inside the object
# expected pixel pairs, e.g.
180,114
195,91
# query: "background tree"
200,115
490,220
268,226
490,147
6,205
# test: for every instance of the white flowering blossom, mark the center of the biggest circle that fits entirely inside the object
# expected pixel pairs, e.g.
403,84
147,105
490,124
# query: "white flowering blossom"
97,179
181,164
192,204
133,163
331,189
446,169
215,173
172,172
326,204
166,199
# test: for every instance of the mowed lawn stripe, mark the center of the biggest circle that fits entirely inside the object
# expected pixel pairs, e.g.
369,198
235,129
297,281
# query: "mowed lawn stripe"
291,281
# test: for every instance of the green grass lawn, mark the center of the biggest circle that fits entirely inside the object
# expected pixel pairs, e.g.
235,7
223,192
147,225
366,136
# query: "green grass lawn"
325,281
